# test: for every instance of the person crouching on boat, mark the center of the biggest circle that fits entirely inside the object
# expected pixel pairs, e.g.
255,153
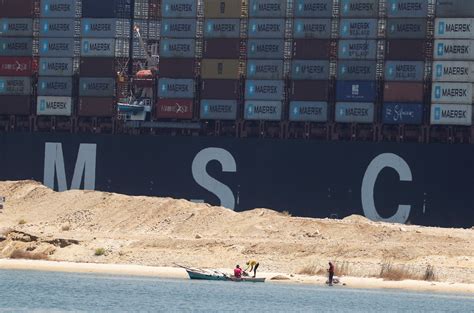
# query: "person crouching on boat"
252,265
237,272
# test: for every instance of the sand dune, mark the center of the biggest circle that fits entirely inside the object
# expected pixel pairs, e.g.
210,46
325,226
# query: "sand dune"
70,226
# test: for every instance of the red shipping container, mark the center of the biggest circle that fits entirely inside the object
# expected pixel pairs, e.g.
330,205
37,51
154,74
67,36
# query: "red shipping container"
18,66
174,108
96,107
403,92
15,105
16,8
317,49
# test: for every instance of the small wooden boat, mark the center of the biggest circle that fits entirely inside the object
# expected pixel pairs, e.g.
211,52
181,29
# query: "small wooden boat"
197,273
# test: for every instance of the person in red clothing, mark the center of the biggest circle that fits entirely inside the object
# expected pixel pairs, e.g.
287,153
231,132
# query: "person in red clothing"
331,273
237,272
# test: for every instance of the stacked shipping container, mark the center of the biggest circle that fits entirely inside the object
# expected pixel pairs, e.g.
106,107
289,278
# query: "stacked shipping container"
16,62
176,85
56,49
404,66
355,86
220,64
265,87
453,54
309,87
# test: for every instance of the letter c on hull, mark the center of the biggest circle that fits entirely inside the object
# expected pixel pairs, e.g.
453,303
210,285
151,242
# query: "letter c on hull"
368,184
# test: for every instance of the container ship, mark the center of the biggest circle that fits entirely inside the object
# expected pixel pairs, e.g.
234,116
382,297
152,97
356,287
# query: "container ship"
322,108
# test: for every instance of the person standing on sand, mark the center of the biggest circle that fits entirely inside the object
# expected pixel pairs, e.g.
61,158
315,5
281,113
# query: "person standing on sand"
237,272
252,265
331,273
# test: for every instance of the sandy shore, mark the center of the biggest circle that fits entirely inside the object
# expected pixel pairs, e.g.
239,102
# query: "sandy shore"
178,273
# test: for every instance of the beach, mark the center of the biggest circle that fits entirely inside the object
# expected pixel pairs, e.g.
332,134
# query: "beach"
98,232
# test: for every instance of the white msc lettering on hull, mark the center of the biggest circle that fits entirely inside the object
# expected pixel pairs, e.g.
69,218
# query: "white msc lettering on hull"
368,185
227,161
85,166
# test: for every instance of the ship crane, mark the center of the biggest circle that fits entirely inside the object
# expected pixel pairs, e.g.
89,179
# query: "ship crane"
136,107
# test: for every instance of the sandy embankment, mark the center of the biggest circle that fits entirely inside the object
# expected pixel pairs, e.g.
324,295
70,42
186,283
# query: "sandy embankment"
146,236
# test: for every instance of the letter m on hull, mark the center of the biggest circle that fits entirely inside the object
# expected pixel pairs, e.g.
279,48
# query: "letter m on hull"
84,169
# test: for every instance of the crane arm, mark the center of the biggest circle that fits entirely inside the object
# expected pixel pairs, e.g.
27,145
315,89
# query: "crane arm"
152,63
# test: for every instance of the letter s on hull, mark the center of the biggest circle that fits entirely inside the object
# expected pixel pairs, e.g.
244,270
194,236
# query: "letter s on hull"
209,183
368,184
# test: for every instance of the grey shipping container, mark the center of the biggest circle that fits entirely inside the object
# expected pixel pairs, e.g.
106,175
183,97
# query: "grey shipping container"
96,87
15,105
15,85
219,68
105,28
222,8
264,89
177,48
177,68
56,67
357,49
54,86
222,28
56,47
96,107
57,106
308,111
16,47
224,48
312,28
16,27
313,8
309,90
310,70
451,114
265,69
405,50
267,8
265,49
406,28
403,92
358,28
58,8
354,112
356,70
407,8
57,27
218,109
454,8
178,28
263,110
359,8
311,49
266,28
179,8
95,47
97,67
448,49
221,89
404,70
171,88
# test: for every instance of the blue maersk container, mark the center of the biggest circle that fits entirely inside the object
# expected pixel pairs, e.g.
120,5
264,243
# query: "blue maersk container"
402,113
355,90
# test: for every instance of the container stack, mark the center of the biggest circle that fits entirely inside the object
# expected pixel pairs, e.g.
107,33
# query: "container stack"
57,32
264,90
105,29
404,65
355,85
453,64
176,85
310,65
17,64
220,66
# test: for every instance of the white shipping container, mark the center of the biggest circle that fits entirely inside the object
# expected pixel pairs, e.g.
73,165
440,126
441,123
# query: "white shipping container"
453,71
448,49
458,93
54,106
451,114
454,28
